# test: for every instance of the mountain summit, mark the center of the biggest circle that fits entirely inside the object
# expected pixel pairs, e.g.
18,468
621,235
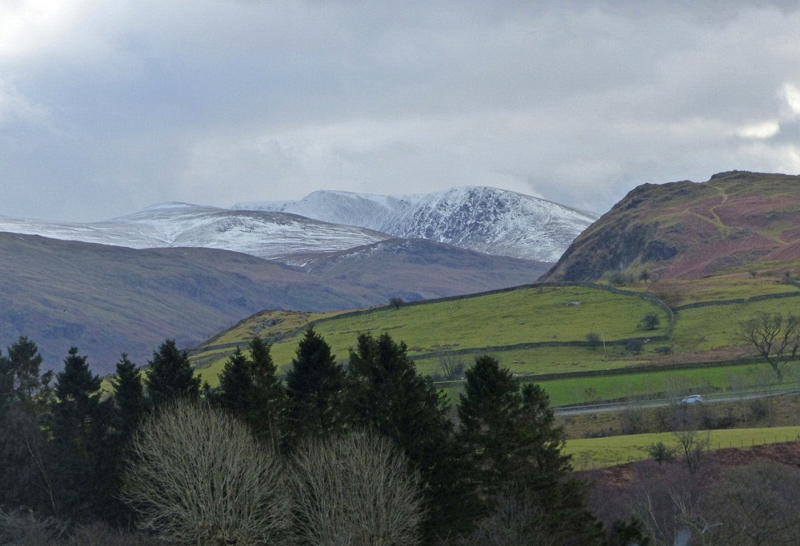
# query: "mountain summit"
483,219
689,229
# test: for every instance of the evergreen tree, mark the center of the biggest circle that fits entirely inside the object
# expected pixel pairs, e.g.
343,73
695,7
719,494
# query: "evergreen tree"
512,439
269,411
249,387
314,385
387,395
128,397
21,372
171,375
80,432
235,385
7,395
24,398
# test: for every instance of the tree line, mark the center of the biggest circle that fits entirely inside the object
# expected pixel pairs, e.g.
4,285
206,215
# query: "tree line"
70,453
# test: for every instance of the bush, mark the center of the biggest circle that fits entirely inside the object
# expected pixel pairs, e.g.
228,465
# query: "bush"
197,476
396,302
661,453
651,321
593,338
634,346
23,529
357,490
663,350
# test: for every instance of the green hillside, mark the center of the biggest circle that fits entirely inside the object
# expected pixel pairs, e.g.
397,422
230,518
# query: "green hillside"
540,330
515,319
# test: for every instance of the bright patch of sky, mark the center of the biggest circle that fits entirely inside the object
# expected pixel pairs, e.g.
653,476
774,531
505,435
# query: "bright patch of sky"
108,107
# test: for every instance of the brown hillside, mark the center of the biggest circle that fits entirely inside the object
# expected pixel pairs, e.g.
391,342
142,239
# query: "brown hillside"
689,230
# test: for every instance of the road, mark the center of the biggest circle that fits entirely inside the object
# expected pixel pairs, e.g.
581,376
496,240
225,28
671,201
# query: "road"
707,399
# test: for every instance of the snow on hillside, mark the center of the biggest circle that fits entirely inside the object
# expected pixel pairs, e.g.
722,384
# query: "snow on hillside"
264,234
484,219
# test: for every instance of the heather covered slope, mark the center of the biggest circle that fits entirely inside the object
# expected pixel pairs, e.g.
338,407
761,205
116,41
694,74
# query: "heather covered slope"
109,299
690,230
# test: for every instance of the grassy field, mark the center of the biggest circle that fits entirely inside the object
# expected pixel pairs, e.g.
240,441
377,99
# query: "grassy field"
526,315
707,328
469,325
599,452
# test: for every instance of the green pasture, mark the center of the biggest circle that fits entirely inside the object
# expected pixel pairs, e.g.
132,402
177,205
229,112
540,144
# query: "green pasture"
713,327
601,452
564,392
666,383
546,360
728,287
531,314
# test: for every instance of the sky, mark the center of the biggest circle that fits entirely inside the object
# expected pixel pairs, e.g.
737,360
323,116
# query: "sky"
109,106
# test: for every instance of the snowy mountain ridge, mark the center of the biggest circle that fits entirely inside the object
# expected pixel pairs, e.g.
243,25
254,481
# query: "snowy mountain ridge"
483,219
269,235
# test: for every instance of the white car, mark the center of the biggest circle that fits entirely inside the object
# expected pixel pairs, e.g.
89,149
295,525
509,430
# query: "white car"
693,399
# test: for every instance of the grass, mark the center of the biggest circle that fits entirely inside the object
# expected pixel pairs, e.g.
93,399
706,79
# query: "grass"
724,378
600,452
530,314
708,328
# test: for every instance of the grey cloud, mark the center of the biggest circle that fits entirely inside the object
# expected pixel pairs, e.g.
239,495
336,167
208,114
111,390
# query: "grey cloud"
218,102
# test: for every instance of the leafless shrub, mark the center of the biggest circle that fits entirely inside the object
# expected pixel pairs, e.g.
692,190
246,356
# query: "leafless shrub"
756,504
197,476
100,534
452,367
693,443
355,490
632,420
23,529
515,521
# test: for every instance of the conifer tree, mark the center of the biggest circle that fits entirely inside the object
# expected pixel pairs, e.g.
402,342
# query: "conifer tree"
128,397
387,395
249,387
80,431
269,411
171,375
512,439
21,369
314,385
235,385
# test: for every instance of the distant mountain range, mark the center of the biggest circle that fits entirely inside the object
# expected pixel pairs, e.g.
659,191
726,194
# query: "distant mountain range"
690,230
483,219
108,299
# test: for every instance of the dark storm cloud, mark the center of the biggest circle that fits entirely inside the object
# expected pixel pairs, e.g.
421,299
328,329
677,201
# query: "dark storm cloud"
109,107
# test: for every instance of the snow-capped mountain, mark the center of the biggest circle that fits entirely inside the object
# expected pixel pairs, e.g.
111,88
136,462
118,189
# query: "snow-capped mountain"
271,235
484,219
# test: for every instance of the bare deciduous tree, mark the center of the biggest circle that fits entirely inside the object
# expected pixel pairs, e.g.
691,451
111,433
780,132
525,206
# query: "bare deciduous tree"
197,476
775,337
756,504
355,490
693,443
515,521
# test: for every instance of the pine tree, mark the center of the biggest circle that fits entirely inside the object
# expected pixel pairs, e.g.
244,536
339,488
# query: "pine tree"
249,387
269,412
80,430
128,397
512,439
387,395
489,413
314,385
171,375
21,369
235,385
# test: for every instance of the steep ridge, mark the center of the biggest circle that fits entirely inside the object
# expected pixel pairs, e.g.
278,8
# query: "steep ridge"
108,299
483,219
689,230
